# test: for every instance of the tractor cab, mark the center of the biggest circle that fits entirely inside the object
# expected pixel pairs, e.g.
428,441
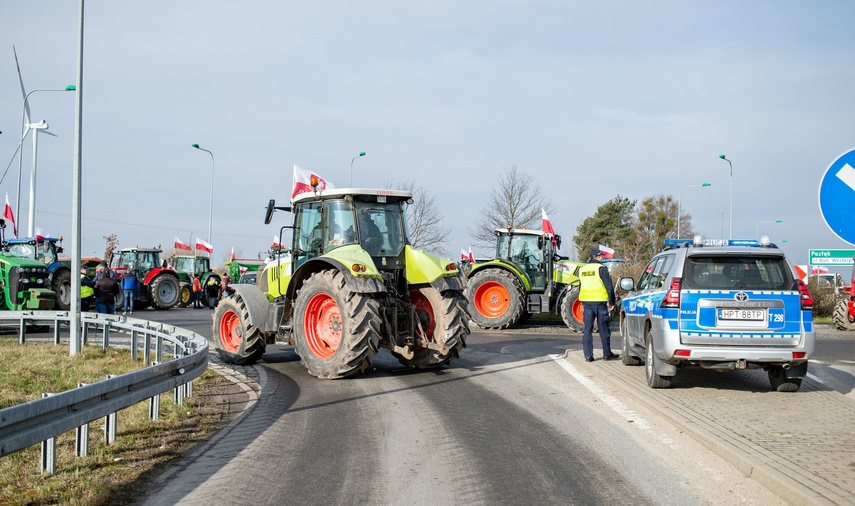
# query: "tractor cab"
192,264
43,249
531,250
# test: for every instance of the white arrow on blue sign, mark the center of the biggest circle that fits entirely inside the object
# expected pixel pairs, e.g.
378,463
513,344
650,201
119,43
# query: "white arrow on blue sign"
837,197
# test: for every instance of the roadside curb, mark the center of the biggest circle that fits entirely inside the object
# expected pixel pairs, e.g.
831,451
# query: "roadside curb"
251,388
735,450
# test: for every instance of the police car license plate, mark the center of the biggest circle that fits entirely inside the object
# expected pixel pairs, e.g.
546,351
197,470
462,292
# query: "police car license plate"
742,314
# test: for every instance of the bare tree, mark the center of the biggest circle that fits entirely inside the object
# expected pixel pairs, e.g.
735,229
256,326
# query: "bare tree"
515,202
424,220
112,244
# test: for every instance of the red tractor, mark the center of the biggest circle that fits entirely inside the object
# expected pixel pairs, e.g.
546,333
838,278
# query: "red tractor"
157,286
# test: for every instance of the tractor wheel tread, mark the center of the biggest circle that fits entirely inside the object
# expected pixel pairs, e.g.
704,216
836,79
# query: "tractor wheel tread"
252,341
515,303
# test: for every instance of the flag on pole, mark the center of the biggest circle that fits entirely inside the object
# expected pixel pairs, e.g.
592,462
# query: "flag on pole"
9,216
546,226
819,270
303,182
41,234
179,245
203,246
463,256
471,256
276,243
232,258
607,252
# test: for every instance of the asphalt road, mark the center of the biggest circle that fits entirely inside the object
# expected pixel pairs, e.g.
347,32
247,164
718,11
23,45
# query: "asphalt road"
510,422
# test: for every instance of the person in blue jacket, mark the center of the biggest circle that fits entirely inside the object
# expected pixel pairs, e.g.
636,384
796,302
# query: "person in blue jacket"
129,287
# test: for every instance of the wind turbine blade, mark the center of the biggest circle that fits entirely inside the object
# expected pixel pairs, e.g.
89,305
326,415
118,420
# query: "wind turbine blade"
23,90
49,133
14,155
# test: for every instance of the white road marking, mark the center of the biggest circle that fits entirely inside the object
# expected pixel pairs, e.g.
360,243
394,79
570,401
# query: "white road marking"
847,175
815,378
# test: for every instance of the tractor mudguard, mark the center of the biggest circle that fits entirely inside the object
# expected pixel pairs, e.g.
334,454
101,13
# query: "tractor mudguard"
426,268
457,283
358,284
504,265
256,304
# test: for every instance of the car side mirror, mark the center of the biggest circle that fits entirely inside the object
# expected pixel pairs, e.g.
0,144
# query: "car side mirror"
268,215
627,284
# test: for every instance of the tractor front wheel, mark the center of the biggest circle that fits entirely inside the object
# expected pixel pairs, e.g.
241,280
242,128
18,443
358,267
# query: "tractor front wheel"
164,291
336,330
62,286
572,311
440,318
185,294
496,298
237,341
843,319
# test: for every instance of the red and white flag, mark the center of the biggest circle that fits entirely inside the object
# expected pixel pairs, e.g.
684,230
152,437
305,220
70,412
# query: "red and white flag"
276,243
546,226
471,256
180,245
303,182
41,234
9,216
607,252
232,258
463,256
203,246
819,270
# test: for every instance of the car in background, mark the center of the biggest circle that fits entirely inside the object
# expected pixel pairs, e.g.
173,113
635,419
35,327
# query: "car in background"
248,278
719,304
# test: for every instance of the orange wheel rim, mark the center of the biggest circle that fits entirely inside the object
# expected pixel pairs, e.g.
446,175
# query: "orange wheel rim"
231,333
578,311
322,324
424,307
492,299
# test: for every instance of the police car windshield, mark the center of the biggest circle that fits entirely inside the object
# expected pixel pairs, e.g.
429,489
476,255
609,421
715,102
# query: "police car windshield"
736,273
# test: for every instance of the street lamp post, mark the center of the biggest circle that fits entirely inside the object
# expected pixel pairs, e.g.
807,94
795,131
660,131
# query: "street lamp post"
731,193
361,153
211,208
757,231
680,203
26,126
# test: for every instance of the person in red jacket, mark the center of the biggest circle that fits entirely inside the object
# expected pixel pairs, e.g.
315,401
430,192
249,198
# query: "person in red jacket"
197,292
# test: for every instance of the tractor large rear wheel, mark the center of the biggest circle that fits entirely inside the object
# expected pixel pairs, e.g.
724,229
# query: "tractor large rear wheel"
237,341
496,298
185,294
336,330
164,291
62,286
572,311
842,317
442,318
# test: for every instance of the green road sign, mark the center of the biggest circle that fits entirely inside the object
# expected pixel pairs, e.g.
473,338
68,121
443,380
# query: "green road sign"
831,256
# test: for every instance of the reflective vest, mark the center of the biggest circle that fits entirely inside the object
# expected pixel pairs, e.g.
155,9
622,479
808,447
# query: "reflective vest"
85,291
592,288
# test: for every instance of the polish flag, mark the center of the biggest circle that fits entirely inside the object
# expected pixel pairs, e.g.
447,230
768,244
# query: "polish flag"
303,182
819,270
471,257
276,243
203,246
546,225
232,258
463,256
607,252
7,213
41,234
180,245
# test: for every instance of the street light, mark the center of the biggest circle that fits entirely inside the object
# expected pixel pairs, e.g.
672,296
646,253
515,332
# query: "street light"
757,231
26,126
361,153
731,193
211,208
680,203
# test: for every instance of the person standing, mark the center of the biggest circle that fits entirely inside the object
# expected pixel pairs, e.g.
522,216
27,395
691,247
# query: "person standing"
597,294
212,290
197,291
106,290
87,290
129,288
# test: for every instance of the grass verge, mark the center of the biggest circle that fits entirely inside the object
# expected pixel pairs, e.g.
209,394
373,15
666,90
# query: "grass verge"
114,474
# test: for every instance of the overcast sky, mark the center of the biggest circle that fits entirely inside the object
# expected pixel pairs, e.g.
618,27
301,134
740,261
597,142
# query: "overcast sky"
593,99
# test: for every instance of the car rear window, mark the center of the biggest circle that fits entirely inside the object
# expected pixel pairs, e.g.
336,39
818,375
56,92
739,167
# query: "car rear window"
736,272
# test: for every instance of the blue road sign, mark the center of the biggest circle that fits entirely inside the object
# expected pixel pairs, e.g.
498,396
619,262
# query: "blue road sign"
837,197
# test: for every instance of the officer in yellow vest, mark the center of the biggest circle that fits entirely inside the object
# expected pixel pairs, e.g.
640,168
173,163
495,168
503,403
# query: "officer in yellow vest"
597,295
87,292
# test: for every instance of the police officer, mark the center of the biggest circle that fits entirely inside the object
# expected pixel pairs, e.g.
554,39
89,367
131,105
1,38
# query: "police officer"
597,295
87,290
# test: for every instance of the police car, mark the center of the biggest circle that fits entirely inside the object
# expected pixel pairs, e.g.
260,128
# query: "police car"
718,304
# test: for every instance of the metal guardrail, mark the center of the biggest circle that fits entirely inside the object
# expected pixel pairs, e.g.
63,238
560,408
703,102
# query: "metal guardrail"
30,423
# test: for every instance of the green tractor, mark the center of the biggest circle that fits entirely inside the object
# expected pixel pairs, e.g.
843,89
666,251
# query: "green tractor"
24,282
351,284
526,276
238,267
186,266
